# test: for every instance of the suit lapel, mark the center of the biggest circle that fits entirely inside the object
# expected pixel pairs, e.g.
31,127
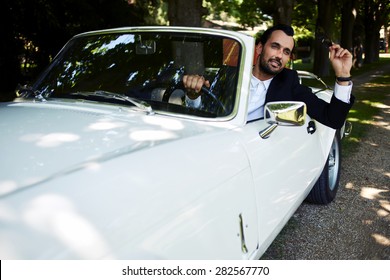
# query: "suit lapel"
278,89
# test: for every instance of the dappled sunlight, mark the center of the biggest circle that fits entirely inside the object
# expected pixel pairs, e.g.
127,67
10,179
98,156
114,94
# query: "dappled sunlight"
7,186
385,211
7,215
382,240
352,139
165,123
106,125
382,213
372,144
93,166
371,85
385,204
57,217
50,140
367,222
356,120
372,193
56,139
374,104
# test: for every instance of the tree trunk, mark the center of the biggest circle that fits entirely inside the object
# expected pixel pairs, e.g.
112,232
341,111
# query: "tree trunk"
323,28
185,13
348,17
283,12
10,72
372,27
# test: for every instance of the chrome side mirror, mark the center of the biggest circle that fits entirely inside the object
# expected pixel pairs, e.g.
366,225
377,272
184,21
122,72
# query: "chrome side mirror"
290,113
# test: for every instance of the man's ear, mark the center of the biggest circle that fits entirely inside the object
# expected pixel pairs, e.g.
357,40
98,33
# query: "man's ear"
258,49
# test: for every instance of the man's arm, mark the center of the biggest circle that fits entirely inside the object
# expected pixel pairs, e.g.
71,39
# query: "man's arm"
194,85
341,60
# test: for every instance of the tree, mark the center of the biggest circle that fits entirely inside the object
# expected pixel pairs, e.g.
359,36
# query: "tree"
9,49
249,14
349,12
376,14
48,24
280,10
326,13
185,13
284,11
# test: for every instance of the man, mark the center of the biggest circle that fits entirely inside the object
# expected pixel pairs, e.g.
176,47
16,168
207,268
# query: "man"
271,81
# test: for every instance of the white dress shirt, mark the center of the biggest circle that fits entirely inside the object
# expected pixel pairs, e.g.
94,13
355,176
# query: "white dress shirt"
257,93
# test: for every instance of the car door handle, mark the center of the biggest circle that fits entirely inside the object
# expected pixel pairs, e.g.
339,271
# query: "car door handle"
311,127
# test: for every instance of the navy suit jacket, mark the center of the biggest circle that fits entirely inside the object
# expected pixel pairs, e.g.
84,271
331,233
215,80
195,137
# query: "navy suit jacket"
285,86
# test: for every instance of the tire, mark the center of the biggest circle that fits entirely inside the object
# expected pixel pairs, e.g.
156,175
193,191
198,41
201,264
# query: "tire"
325,189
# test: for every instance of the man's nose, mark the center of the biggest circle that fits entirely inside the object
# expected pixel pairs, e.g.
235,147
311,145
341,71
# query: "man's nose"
279,53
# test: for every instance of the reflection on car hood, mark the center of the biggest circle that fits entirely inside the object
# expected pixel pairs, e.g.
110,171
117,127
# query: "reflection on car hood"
41,141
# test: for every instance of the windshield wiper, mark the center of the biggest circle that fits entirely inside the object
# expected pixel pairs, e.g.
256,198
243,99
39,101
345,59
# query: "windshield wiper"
112,95
26,92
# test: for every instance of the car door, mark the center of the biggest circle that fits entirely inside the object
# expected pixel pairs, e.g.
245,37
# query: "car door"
283,166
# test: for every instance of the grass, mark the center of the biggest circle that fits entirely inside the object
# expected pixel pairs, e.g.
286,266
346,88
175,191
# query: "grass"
370,98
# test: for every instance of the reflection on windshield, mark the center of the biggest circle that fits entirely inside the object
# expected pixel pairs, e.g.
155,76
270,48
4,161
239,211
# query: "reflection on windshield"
148,67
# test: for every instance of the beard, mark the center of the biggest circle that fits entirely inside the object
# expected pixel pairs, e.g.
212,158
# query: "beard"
265,67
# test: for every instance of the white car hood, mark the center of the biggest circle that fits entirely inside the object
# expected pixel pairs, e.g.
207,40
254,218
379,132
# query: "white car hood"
41,141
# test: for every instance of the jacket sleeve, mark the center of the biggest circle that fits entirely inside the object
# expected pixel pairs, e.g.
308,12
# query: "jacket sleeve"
331,114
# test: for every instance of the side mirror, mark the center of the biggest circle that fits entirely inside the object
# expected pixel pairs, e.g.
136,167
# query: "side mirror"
286,113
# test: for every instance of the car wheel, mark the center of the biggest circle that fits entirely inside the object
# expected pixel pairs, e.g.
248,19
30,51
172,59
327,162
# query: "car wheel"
325,189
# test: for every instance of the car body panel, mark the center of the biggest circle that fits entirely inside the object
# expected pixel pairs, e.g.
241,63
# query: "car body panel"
101,179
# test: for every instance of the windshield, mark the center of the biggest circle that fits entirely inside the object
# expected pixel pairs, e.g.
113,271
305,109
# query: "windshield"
147,67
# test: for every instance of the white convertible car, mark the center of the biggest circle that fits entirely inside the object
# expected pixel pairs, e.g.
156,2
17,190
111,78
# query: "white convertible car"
103,157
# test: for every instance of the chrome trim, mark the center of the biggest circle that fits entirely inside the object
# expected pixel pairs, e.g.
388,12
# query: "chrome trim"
244,249
347,128
266,132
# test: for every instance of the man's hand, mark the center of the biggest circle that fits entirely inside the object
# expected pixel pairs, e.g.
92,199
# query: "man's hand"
194,83
341,60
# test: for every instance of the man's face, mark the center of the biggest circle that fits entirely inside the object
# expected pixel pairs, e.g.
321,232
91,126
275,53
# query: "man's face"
276,52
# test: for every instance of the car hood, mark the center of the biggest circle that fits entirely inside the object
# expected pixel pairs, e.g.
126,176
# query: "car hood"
41,141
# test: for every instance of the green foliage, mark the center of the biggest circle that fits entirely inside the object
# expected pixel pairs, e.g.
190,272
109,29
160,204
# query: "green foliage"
250,14
48,24
305,14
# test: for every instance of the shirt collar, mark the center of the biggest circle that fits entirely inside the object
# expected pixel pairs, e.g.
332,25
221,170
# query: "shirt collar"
255,82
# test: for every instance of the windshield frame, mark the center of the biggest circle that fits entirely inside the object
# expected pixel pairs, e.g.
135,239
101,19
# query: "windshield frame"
179,32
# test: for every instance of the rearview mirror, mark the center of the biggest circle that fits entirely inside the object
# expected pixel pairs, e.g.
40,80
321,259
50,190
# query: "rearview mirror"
146,47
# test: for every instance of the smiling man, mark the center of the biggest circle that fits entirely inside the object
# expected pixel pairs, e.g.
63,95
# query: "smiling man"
272,81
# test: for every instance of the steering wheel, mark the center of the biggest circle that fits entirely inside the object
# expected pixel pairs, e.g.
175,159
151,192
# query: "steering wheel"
205,90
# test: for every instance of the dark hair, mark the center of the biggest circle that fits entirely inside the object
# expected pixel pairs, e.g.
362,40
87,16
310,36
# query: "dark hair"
287,29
